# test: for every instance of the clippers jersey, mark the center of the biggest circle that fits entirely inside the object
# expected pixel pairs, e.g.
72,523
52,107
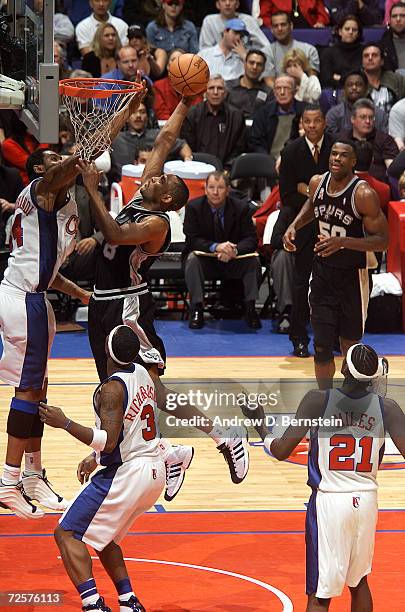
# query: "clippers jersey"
337,216
139,436
41,241
346,458
122,269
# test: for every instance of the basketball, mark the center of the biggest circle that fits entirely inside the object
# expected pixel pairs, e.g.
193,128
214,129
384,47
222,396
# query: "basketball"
189,74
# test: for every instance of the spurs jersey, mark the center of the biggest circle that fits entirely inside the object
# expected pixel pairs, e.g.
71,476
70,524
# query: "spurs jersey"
122,270
139,436
41,241
337,216
346,458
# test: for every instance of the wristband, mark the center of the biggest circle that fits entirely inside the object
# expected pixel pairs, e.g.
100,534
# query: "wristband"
99,439
68,424
267,442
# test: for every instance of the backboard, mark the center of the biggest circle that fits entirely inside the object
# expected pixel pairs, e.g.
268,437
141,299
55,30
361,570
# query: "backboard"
27,55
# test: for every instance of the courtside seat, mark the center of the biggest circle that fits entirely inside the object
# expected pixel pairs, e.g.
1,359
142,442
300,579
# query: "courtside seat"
396,248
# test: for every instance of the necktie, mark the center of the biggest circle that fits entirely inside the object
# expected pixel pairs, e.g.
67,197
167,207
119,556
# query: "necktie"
218,229
316,153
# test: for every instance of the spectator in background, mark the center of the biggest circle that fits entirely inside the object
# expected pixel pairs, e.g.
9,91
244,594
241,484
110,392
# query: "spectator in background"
127,65
281,28
59,57
364,160
166,98
401,187
17,148
77,10
170,29
228,56
86,29
393,40
140,11
344,55
396,123
296,64
10,188
104,49
249,91
385,87
367,11
214,25
384,146
150,61
304,13
64,30
339,117
214,127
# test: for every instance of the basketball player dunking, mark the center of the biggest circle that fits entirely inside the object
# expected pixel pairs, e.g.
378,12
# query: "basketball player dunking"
351,224
139,234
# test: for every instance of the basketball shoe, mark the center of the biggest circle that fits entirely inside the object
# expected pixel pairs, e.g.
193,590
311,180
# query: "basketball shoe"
177,462
38,487
15,499
232,442
133,603
99,605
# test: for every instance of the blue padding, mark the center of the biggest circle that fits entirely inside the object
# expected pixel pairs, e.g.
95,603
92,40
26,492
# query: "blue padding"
24,406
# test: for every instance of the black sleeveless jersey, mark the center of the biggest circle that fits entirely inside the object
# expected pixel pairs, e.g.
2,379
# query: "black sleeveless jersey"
121,270
337,216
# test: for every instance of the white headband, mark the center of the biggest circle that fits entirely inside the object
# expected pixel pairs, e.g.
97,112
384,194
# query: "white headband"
381,369
110,349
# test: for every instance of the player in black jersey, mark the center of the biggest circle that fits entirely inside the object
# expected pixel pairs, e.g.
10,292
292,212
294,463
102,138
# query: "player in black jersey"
351,228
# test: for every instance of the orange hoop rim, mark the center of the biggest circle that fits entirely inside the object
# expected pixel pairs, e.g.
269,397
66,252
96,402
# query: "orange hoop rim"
87,88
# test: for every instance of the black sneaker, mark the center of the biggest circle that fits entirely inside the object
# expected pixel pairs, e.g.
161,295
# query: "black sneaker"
99,605
133,603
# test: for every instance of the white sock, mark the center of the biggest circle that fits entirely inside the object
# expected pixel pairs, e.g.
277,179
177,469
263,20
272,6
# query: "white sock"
91,599
11,475
124,598
217,434
33,463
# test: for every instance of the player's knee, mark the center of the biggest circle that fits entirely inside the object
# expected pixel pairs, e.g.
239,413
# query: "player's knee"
21,418
323,353
61,535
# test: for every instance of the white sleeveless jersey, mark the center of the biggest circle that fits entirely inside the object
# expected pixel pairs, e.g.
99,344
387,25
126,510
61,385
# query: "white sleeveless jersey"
346,458
139,436
41,241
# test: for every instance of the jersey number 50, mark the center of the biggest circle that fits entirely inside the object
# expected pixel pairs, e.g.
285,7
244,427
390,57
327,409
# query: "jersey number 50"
148,415
341,457
330,231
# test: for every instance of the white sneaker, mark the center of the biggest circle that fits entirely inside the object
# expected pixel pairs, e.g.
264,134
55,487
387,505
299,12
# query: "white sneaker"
177,462
233,444
14,498
38,487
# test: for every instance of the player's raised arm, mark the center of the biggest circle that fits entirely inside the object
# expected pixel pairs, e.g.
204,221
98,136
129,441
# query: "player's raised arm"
394,421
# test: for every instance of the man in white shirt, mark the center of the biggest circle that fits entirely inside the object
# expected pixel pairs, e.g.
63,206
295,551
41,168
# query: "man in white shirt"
281,28
396,123
227,57
86,28
213,26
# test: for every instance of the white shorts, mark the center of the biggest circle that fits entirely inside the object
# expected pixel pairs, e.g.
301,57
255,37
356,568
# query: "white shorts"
27,326
340,533
105,509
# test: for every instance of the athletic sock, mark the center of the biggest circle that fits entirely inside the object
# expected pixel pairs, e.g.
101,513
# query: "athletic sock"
88,592
124,589
11,474
33,464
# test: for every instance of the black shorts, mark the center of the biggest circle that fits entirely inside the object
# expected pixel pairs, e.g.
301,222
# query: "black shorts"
338,298
137,312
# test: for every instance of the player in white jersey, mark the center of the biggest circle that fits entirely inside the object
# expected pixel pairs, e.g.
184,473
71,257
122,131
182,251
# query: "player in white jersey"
343,461
127,445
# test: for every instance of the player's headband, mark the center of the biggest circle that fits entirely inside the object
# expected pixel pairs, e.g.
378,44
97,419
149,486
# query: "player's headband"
382,368
110,348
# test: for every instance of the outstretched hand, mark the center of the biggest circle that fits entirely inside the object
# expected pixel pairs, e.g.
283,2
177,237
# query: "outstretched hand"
91,176
139,95
52,416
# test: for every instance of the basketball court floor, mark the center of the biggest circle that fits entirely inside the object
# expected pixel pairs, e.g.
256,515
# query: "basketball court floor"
217,546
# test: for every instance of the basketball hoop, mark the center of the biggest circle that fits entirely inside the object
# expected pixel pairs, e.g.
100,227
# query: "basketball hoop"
93,105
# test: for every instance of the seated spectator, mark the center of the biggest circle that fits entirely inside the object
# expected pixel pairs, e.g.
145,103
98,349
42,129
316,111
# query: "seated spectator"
86,29
59,57
227,57
170,29
296,64
78,10
214,25
398,165
385,87
64,30
17,148
126,65
104,49
214,127
137,136
339,117
344,55
393,40
276,122
140,12
397,123
306,13
367,11
281,28
150,61
364,159
221,225
384,146
249,91
166,98
11,186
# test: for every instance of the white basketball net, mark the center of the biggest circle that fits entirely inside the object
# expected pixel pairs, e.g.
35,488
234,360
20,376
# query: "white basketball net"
93,117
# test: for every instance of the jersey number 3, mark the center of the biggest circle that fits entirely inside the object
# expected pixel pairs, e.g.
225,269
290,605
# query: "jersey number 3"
17,230
148,415
341,457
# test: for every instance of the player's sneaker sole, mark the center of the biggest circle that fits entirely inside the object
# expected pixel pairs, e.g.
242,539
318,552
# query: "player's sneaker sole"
239,449
38,487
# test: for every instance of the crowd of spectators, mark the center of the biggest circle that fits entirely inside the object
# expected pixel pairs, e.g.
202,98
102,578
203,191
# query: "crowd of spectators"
272,90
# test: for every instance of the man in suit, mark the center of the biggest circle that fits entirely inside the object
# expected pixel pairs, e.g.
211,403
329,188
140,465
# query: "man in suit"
300,160
221,226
